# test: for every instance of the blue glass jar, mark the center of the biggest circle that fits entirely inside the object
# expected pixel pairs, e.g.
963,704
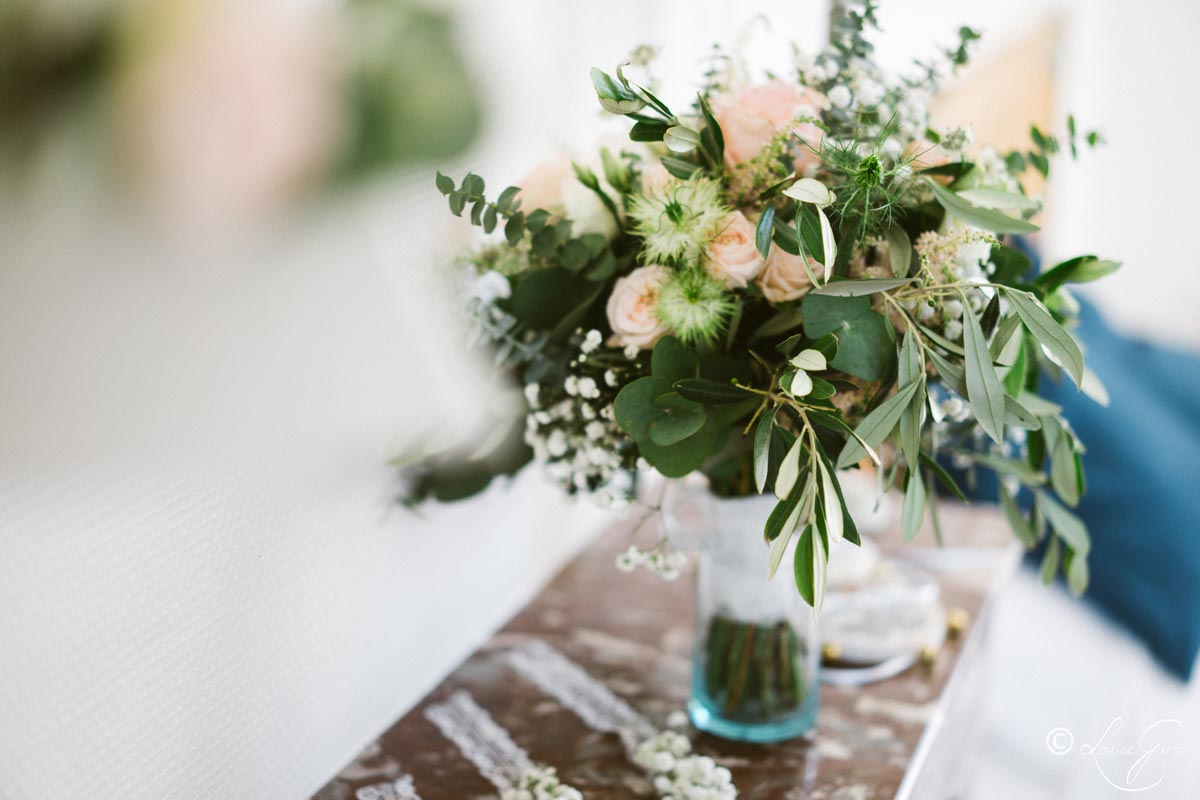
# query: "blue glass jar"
756,656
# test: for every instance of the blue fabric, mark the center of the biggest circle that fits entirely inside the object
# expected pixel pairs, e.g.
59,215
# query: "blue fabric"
1142,506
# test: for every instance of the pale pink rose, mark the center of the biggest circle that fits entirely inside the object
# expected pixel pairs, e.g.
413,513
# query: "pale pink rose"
732,255
784,277
655,177
632,308
543,186
753,115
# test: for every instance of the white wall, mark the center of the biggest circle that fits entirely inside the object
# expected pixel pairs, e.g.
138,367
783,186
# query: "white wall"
206,591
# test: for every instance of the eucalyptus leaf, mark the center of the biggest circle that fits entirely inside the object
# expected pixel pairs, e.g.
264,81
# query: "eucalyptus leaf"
1077,270
943,477
1008,466
1018,416
1038,405
673,360
829,247
679,167
634,407
681,139
780,543
951,374
942,341
1049,333
849,529
614,97
780,515
900,251
1050,560
911,369
1064,476
789,470
674,425
762,234
972,214
876,426
710,392
1069,527
859,287
1016,521
762,448
1077,574
914,505
865,348
998,199
984,392
830,503
809,359
809,567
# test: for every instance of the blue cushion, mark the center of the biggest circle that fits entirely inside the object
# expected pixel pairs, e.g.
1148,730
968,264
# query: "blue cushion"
1142,505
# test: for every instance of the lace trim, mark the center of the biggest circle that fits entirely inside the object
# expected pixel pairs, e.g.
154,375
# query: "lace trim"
480,739
399,789
576,689
665,756
493,752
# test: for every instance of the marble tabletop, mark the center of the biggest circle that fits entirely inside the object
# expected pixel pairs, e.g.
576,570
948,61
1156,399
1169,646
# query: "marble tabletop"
904,737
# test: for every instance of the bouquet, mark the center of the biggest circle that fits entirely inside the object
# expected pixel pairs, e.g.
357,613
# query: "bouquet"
789,277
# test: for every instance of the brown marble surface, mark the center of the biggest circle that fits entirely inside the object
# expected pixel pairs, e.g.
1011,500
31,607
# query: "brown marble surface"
633,632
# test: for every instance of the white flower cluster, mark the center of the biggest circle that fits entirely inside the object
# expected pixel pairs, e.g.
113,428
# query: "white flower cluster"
572,431
540,783
993,171
863,86
678,775
667,564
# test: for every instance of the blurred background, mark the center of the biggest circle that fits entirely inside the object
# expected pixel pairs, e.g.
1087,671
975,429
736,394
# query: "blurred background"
222,310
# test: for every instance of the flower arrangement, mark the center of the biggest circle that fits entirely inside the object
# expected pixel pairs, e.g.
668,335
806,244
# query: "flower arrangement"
789,278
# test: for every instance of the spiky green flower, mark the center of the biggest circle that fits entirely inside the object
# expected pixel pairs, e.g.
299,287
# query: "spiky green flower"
677,220
695,305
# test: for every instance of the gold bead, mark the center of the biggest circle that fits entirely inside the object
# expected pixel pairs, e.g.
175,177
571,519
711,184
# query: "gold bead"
956,621
831,652
928,656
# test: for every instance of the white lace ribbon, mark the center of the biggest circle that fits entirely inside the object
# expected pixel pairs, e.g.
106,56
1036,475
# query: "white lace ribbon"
399,789
493,752
586,697
479,738
666,756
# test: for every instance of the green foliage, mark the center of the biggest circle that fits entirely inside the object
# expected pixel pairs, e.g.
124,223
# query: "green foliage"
864,343
878,332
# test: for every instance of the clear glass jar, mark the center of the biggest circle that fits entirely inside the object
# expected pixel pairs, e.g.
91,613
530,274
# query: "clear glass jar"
756,656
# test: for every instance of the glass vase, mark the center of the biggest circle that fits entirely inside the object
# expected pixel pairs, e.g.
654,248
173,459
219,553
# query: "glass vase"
756,656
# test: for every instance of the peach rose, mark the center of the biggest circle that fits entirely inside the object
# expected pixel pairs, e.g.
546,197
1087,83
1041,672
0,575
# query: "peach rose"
784,277
543,186
732,255
753,115
655,177
632,308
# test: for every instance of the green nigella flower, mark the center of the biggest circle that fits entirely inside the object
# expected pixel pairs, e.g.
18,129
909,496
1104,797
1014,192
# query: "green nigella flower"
677,221
694,305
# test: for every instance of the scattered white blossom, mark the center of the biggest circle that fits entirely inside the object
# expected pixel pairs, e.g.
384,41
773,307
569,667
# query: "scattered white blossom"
678,775
840,96
540,783
591,341
667,564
